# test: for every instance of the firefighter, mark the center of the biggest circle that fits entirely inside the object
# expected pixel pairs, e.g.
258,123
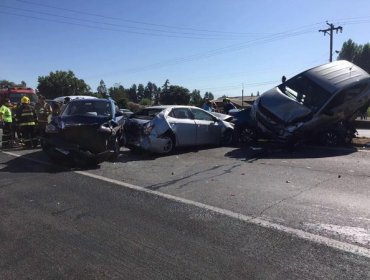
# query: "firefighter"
7,120
43,112
27,120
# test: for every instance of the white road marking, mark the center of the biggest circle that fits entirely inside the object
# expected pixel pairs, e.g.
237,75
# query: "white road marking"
339,245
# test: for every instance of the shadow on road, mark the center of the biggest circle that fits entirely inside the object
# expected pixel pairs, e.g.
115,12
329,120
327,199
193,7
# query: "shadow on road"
129,156
38,162
279,151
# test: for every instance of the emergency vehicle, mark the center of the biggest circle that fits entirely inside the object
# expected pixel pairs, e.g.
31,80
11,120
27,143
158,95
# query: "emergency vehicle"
16,93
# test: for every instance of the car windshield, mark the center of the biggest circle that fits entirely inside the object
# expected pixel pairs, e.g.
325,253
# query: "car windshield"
96,108
147,113
306,92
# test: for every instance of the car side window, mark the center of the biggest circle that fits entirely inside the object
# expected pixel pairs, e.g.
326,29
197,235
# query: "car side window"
180,113
201,115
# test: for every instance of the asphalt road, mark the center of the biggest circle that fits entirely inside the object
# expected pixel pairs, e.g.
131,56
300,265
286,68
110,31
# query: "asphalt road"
218,213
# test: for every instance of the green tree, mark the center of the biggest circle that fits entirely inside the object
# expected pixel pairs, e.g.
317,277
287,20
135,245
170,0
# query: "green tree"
195,98
175,95
132,94
6,84
145,102
358,54
150,90
157,95
140,92
62,83
102,90
209,95
119,94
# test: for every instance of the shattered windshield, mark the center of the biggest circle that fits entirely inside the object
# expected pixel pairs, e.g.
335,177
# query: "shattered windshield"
97,108
306,92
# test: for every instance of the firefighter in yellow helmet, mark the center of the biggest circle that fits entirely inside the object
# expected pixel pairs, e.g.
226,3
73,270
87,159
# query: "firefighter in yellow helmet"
27,120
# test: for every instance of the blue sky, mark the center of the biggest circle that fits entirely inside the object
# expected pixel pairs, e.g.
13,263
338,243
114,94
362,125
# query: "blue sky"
215,46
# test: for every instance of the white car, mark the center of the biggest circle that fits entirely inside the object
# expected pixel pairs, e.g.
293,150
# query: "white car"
160,129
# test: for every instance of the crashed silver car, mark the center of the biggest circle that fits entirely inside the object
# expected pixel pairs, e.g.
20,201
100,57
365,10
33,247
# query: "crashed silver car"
319,103
160,129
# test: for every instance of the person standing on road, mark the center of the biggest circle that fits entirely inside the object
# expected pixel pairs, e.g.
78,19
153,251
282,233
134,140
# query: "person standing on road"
43,112
227,105
27,119
207,106
7,120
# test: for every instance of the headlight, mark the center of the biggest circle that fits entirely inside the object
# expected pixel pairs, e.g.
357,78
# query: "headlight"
148,129
50,128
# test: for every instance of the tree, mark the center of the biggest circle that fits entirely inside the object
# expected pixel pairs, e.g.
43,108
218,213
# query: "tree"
6,84
102,90
195,98
175,95
358,54
350,51
209,95
119,94
140,92
132,94
165,85
62,83
150,90
145,102
157,95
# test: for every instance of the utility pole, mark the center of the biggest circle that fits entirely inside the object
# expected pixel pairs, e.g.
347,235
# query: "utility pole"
242,95
330,32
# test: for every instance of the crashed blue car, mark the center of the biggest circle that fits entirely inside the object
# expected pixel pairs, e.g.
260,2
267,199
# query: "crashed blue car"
88,131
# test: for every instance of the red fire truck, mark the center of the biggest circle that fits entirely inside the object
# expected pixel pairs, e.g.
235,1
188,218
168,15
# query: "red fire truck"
16,93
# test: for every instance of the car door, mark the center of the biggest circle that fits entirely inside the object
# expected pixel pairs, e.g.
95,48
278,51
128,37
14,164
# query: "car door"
183,125
208,128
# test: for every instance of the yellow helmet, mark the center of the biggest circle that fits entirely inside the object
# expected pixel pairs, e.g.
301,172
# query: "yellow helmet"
25,100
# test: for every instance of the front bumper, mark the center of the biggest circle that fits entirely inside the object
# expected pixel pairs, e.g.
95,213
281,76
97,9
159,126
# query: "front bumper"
68,149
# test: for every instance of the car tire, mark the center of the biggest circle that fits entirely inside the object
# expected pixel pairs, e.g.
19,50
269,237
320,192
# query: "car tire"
330,138
170,144
227,138
116,149
244,135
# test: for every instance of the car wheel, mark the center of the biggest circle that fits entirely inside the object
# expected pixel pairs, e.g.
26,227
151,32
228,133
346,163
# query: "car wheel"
116,149
169,144
227,137
244,135
330,138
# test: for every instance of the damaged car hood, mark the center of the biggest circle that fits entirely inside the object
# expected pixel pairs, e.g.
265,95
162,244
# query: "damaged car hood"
284,108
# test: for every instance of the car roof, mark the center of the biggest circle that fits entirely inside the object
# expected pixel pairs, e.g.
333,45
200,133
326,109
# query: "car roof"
73,97
337,75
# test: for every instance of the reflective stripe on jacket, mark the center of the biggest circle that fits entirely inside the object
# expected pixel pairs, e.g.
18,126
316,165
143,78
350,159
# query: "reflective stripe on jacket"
26,115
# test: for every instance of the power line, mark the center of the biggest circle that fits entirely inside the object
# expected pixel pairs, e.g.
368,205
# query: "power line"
108,29
131,21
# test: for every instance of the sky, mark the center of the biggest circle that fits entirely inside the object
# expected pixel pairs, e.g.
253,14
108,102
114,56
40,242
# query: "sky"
218,46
